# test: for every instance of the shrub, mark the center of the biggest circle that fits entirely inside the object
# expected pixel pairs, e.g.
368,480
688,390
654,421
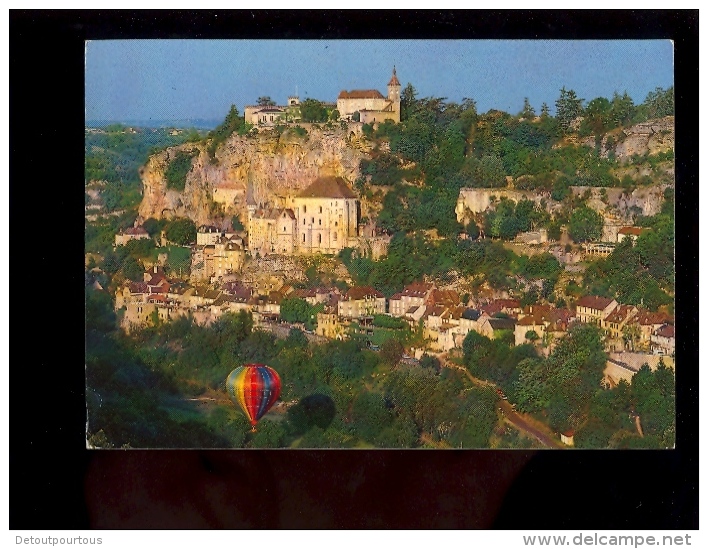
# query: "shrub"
177,170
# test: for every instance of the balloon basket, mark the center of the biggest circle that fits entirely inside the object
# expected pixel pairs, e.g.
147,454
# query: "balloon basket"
253,429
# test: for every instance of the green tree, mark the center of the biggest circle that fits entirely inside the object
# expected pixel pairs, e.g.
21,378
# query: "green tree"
623,109
659,103
568,107
527,111
312,110
132,269
265,101
598,117
392,351
472,230
408,101
296,338
236,223
294,309
177,170
181,231
428,361
585,224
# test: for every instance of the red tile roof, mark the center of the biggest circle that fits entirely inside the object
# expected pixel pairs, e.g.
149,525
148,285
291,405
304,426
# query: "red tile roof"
417,289
620,313
360,94
394,79
594,302
444,297
361,292
328,187
647,318
667,330
636,231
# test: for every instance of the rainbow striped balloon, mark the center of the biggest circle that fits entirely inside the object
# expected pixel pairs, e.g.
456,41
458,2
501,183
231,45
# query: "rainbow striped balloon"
255,388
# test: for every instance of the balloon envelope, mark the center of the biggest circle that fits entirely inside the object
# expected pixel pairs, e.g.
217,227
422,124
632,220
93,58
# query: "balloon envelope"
255,388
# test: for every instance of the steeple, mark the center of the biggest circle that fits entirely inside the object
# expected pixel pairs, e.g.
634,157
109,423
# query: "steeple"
394,79
394,92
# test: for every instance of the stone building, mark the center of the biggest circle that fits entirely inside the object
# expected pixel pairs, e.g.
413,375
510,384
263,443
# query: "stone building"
228,192
323,218
327,216
131,233
371,105
208,234
270,115
271,231
413,296
362,301
594,309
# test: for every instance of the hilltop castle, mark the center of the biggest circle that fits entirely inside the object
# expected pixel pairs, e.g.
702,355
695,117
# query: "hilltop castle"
371,105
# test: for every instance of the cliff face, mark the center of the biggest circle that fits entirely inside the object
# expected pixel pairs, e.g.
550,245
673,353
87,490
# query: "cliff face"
260,167
651,137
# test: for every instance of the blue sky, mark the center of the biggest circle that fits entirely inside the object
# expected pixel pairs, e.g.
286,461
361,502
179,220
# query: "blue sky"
180,79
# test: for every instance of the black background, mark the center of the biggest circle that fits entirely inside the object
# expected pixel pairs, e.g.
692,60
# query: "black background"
48,459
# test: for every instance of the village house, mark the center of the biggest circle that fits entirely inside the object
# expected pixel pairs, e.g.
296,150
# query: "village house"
629,232
663,340
413,296
131,233
329,324
271,115
370,104
361,301
494,327
443,326
594,309
228,258
547,322
208,234
527,324
511,307
614,323
648,322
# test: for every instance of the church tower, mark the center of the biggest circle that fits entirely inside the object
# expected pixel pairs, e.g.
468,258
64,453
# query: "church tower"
394,93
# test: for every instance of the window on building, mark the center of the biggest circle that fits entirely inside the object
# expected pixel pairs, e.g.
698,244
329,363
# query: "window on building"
334,236
304,209
335,223
313,221
320,220
320,209
303,238
319,239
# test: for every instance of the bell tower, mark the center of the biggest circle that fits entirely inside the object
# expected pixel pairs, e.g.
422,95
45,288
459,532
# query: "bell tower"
394,93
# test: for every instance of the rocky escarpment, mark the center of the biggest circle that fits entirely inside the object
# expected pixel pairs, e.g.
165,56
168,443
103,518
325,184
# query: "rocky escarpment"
259,167
647,138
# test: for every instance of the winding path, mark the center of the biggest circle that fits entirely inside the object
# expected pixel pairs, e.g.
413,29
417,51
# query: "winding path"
544,436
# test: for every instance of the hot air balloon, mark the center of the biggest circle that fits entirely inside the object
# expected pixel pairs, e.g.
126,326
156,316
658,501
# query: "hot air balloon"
255,388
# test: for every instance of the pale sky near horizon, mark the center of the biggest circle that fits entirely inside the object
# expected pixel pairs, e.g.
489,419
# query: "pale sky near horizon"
181,79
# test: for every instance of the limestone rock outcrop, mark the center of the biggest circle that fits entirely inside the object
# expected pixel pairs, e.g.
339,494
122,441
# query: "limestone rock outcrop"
260,167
